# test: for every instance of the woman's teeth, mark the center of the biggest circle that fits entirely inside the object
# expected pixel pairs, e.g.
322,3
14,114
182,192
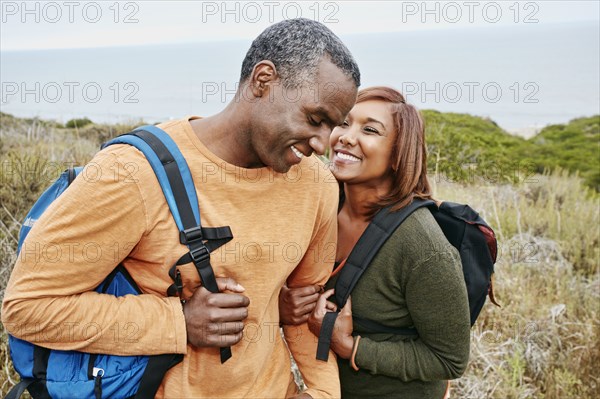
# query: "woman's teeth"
347,157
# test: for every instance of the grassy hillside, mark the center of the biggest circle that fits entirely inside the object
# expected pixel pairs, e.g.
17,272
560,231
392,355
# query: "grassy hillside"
574,146
543,343
466,148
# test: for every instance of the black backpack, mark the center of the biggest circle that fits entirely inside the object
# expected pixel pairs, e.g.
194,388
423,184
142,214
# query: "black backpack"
465,230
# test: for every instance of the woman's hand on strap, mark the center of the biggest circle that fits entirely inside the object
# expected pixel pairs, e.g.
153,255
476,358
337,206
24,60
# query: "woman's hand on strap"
341,339
315,320
295,304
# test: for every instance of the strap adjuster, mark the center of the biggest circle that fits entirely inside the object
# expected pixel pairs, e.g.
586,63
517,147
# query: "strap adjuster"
190,235
178,283
200,254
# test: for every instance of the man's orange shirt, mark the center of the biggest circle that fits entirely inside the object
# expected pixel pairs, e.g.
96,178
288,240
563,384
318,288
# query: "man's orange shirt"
284,228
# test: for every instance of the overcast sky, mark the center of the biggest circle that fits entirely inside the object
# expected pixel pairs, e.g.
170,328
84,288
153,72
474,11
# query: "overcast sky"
76,24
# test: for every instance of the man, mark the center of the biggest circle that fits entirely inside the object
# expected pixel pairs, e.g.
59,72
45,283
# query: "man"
254,171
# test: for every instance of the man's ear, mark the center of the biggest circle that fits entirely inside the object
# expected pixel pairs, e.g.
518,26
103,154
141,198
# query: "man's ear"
263,75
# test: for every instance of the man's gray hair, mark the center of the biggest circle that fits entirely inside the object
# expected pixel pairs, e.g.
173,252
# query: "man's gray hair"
295,47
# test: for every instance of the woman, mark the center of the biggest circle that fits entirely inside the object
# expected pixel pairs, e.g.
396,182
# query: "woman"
379,157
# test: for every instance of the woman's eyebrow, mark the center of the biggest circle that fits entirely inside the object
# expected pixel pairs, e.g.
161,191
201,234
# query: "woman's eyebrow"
369,119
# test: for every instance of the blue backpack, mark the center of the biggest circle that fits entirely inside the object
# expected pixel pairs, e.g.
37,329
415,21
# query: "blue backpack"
47,373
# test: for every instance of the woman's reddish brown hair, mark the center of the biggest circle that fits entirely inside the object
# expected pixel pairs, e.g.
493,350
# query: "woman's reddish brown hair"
409,155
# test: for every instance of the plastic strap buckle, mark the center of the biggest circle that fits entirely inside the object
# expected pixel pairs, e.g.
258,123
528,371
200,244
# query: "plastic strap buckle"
188,236
199,255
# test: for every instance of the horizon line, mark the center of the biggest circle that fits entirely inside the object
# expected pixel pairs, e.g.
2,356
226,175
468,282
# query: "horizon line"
240,39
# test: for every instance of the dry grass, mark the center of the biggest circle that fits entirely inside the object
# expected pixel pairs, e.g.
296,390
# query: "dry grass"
33,154
543,343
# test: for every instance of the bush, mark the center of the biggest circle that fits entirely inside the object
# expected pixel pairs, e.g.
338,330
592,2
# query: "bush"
77,123
465,148
574,147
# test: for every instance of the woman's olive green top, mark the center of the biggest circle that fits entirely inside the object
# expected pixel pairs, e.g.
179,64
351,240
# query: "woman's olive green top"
415,280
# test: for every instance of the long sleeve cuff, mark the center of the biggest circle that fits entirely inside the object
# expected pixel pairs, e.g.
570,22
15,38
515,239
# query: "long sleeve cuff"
179,326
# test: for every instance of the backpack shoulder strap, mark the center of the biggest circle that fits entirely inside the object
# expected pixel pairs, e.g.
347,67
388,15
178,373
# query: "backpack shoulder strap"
170,169
177,185
370,242
17,391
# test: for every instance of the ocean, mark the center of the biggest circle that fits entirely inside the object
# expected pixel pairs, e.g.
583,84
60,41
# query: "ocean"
522,77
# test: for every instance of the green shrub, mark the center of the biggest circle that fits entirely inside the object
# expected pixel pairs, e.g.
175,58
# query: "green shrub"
465,148
77,123
574,147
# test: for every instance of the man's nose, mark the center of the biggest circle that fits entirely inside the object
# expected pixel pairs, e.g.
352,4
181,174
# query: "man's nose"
320,140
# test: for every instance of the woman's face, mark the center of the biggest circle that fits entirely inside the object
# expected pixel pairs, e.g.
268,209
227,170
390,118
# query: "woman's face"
361,148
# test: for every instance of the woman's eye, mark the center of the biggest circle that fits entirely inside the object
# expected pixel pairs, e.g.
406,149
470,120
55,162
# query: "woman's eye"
345,123
371,130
